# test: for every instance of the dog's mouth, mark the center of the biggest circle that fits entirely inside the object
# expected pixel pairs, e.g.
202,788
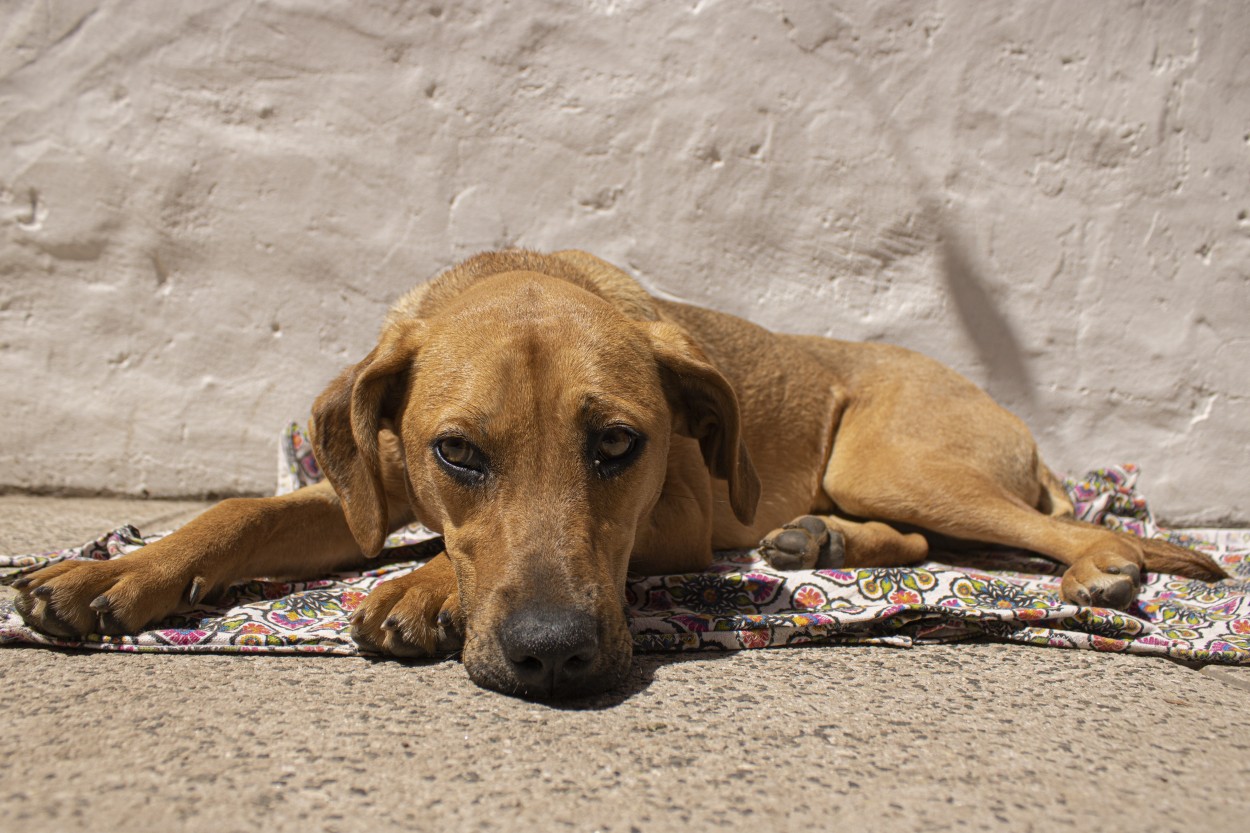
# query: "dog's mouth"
548,653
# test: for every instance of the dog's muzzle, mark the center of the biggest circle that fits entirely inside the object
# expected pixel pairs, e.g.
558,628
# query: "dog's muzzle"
549,653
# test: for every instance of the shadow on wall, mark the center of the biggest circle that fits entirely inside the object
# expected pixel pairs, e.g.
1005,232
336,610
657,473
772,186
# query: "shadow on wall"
987,327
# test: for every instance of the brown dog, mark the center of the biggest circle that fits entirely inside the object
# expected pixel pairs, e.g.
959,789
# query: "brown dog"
560,427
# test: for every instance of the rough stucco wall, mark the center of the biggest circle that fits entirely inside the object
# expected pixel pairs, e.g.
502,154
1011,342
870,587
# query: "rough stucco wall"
206,207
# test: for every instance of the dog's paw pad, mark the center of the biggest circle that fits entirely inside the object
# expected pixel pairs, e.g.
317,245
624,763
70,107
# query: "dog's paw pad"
1107,582
803,544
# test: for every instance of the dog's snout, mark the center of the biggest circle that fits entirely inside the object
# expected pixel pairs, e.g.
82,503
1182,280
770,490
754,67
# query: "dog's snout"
551,652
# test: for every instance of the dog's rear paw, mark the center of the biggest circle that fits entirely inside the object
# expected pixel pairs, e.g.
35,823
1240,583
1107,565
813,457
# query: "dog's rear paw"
75,598
805,543
412,616
1105,580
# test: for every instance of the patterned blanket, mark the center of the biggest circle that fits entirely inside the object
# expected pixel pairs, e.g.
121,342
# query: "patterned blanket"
742,603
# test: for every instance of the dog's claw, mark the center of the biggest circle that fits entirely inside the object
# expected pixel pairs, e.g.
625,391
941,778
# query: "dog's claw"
106,619
110,624
195,590
43,591
21,582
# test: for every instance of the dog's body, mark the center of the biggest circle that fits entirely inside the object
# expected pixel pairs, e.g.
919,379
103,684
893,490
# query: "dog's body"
560,427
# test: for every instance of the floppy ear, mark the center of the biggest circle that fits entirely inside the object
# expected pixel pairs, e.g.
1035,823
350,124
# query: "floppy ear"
707,410
345,430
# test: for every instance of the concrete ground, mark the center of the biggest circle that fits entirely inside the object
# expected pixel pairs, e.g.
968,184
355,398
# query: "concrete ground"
971,736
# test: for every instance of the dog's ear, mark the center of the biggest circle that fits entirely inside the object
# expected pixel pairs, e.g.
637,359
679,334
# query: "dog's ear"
345,424
707,410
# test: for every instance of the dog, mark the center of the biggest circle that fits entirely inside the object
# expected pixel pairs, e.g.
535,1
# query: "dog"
560,428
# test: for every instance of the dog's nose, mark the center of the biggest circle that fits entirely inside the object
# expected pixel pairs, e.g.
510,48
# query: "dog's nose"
551,652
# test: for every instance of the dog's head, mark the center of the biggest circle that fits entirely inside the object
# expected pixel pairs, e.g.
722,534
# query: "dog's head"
535,419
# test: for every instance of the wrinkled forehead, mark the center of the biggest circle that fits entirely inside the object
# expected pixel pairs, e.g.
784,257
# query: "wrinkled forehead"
534,346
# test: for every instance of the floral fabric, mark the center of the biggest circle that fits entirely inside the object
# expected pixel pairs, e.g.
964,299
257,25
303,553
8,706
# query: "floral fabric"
742,603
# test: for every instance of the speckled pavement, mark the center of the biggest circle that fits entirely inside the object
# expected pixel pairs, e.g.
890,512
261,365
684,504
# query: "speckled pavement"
971,736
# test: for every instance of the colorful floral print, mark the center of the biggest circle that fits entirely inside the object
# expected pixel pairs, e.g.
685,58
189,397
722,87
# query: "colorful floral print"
740,602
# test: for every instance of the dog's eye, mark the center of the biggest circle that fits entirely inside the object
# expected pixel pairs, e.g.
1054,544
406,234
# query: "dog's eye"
459,453
615,449
614,444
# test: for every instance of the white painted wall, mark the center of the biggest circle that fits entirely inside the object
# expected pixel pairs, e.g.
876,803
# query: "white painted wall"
206,207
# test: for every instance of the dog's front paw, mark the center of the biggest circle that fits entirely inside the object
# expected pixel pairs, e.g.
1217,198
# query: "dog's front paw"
417,615
1103,580
805,543
75,598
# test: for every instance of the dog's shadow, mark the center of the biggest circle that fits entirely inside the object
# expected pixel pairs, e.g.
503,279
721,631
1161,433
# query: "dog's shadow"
642,673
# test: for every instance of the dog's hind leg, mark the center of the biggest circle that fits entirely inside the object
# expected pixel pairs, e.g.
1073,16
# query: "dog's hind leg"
1104,567
922,447
829,542
1160,556
303,534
